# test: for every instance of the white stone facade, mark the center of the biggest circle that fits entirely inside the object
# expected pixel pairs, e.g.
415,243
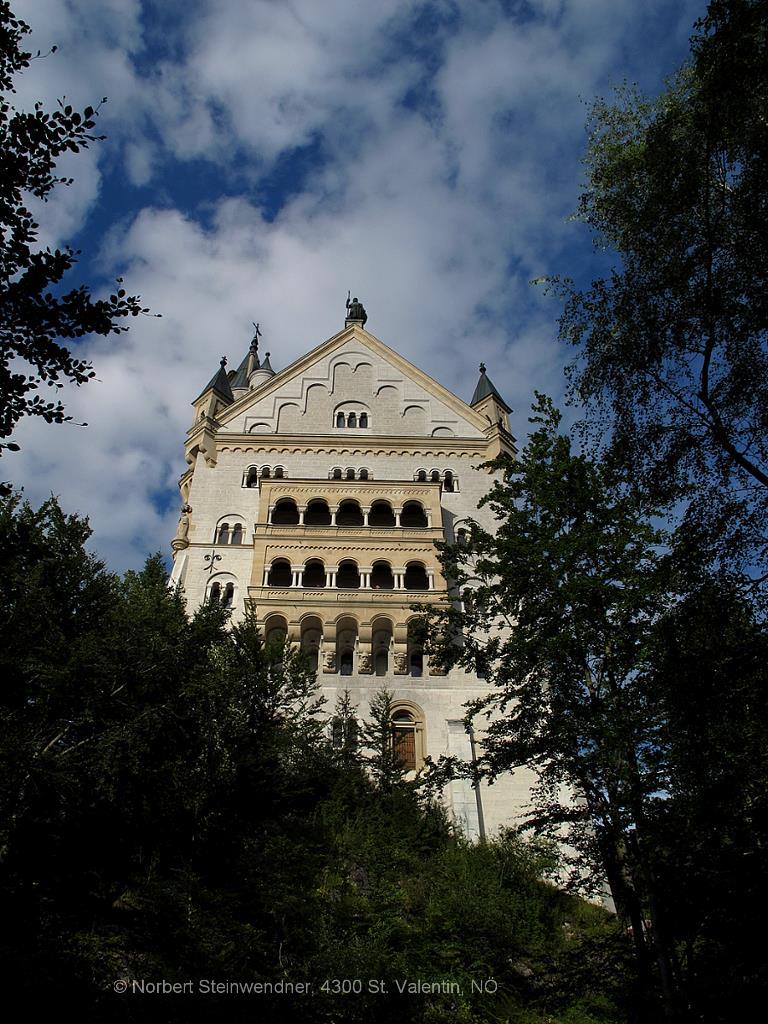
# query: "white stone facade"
330,528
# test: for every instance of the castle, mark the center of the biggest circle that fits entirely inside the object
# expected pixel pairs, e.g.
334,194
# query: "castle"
317,493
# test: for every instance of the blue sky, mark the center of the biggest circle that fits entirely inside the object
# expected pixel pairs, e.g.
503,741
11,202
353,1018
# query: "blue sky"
265,156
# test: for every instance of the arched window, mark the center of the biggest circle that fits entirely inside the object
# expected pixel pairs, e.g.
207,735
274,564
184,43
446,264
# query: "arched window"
348,577
339,419
381,514
252,477
285,513
311,638
381,663
350,474
462,538
265,474
421,476
280,574
229,595
349,514
317,514
434,476
381,576
336,475
404,740
237,534
363,474
416,660
223,537
413,515
215,594
276,630
345,663
279,474
352,420
363,419
314,574
448,481
416,577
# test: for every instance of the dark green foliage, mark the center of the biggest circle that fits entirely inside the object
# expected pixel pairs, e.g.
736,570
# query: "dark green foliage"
642,690
34,313
672,356
171,809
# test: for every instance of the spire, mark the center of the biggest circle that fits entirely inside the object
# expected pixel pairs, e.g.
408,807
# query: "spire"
485,388
241,381
355,312
220,383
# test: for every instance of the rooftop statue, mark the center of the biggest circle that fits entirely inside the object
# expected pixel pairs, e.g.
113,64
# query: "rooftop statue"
356,310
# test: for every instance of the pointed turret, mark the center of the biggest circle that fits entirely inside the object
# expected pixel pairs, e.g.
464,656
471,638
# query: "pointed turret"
241,382
219,383
216,395
487,401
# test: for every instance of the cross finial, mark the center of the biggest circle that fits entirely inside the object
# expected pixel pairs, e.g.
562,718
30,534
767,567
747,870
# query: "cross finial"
482,367
223,362
256,336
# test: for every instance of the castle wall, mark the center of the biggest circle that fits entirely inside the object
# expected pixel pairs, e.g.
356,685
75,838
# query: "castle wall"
420,449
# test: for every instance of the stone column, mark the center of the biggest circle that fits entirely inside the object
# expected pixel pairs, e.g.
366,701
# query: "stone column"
298,575
270,510
265,582
330,575
365,577
430,579
365,510
399,575
302,510
401,660
334,510
397,512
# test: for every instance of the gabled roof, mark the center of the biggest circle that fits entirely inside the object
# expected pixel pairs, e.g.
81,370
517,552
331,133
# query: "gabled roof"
354,330
220,384
485,387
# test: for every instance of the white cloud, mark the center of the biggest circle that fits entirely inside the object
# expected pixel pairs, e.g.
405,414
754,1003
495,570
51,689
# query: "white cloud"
436,219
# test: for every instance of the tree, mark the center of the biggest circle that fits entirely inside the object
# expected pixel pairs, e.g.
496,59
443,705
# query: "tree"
35,312
170,808
560,606
673,344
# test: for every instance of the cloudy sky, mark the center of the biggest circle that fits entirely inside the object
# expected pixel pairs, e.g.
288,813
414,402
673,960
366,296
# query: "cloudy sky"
264,156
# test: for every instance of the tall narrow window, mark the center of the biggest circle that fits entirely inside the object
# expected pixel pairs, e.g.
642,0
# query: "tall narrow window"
237,534
252,480
448,481
279,474
435,476
363,419
337,474
229,593
265,474
215,593
346,663
224,533
363,474
421,476
339,419
352,420
350,474
404,740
